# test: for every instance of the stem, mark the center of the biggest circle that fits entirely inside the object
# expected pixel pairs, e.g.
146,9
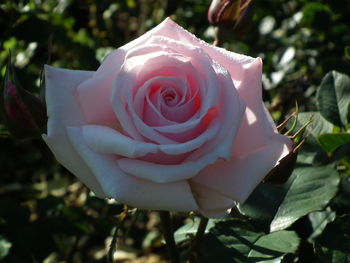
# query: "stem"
197,257
201,230
169,236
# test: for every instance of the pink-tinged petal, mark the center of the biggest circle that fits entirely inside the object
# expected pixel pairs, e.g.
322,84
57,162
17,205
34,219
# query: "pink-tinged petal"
149,112
163,158
233,62
211,204
128,189
160,173
123,107
116,58
237,178
63,109
193,144
61,100
94,97
201,62
122,97
230,114
102,139
257,121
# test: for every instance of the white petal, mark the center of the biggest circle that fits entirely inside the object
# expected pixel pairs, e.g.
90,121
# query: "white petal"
237,178
163,173
130,190
103,139
63,109
211,204
194,144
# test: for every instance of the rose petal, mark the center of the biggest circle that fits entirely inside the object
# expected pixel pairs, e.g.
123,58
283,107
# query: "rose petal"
127,189
201,62
193,144
234,63
257,122
237,178
102,139
63,109
150,113
160,173
94,97
124,82
230,115
211,204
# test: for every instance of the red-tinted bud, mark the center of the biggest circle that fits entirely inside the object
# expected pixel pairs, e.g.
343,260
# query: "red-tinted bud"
233,14
23,113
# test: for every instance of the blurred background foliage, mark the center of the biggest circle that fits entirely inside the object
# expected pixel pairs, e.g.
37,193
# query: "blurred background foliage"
45,214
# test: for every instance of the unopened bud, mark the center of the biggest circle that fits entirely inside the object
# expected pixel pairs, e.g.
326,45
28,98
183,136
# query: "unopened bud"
234,14
23,113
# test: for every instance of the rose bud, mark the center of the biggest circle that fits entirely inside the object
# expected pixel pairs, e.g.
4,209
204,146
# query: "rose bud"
23,113
167,122
233,14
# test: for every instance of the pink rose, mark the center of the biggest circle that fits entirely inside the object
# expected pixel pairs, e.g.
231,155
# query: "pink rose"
167,122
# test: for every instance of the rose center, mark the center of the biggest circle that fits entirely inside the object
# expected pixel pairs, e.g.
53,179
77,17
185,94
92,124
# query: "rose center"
169,96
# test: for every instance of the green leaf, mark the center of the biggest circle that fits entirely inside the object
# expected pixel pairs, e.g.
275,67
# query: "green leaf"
233,241
318,126
281,243
311,152
333,98
309,189
262,204
184,232
331,141
333,245
341,202
5,247
319,221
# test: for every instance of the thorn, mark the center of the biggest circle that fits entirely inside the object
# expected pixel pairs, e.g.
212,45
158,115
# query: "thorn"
295,120
284,123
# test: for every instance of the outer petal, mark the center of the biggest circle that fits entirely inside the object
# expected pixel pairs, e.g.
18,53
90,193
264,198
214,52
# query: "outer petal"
164,173
233,62
63,109
133,191
257,148
211,204
94,97
102,139
257,122
236,179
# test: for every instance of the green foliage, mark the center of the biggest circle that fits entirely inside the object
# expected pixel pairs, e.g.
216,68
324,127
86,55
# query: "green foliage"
334,243
332,141
333,98
308,189
190,229
236,242
319,221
